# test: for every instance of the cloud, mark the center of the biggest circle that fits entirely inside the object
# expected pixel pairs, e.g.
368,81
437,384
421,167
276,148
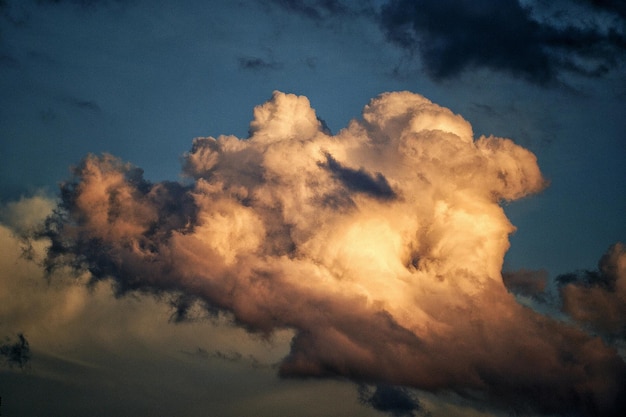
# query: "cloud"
525,282
258,64
597,299
17,353
359,180
88,329
25,214
81,3
397,401
312,9
87,105
519,39
397,281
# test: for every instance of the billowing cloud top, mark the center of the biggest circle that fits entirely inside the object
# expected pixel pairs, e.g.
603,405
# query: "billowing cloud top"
381,247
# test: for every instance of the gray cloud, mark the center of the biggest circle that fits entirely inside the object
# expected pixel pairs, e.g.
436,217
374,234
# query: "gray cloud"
597,299
534,40
16,353
525,282
88,105
312,9
397,401
503,36
359,180
258,64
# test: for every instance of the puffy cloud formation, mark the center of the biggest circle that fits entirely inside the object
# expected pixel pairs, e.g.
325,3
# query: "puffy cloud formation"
26,214
380,247
597,299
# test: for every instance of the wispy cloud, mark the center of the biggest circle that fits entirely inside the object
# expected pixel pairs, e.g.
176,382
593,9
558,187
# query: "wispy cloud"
312,9
258,64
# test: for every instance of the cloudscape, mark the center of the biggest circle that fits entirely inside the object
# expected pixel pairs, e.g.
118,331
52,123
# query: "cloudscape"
407,209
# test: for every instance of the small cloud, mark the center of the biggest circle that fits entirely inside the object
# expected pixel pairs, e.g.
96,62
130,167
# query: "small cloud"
16,353
231,356
397,401
258,64
228,356
313,9
87,105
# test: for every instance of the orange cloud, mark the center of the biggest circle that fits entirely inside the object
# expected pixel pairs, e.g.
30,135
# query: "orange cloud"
287,230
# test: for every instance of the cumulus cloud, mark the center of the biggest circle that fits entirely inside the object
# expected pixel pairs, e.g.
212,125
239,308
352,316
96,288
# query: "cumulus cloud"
26,214
520,38
380,247
597,299
84,322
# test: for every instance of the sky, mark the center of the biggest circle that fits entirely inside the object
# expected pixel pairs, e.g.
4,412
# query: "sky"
313,208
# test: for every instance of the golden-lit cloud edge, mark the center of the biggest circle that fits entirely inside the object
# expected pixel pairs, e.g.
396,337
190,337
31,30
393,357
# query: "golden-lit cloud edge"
380,248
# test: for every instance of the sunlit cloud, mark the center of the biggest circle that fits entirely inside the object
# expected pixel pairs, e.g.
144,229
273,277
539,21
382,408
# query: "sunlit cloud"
597,299
380,247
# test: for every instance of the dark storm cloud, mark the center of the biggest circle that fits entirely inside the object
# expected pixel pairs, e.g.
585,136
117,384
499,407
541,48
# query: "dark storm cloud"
397,401
360,180
612,6
501,35
16,353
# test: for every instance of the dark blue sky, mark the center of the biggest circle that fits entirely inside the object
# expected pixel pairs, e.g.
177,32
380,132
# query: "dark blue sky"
140,79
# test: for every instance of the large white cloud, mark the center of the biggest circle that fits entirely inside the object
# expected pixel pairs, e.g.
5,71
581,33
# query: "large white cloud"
380,247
